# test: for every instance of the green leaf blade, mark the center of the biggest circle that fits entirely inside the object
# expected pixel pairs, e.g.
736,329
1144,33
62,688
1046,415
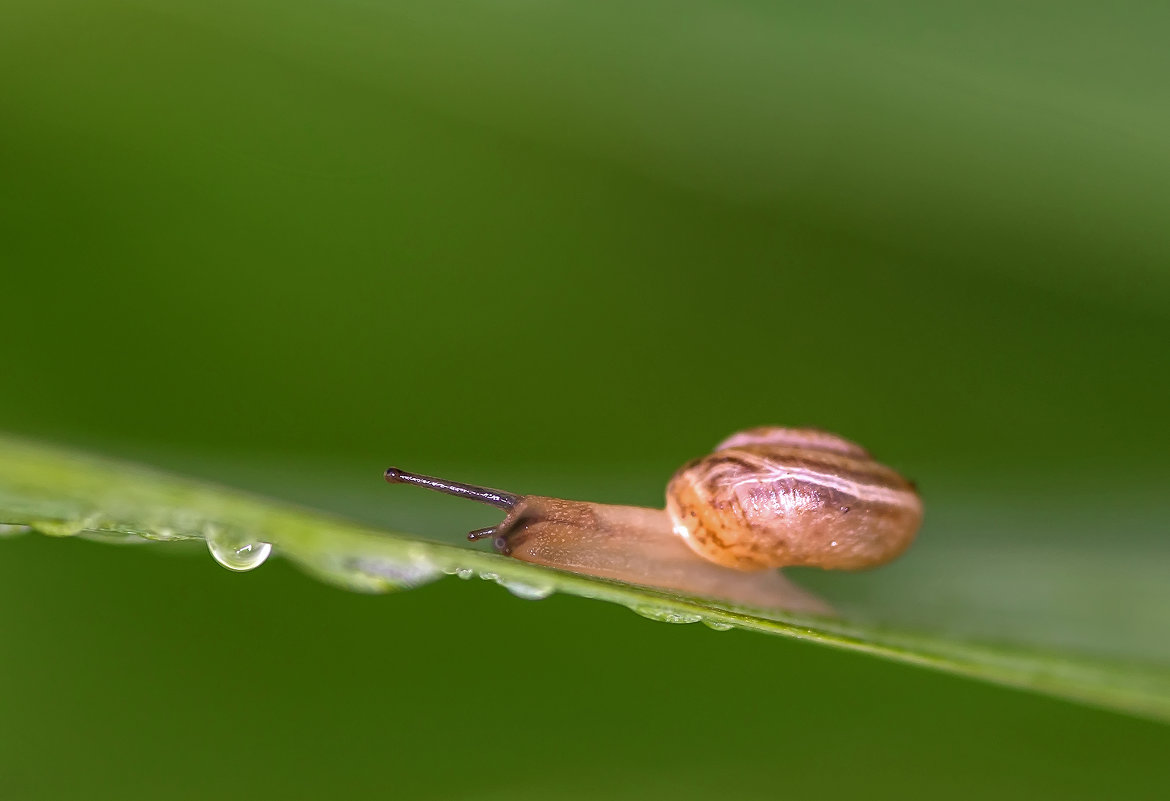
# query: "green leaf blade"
63,493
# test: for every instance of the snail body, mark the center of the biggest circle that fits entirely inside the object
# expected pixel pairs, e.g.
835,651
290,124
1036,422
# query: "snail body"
765,498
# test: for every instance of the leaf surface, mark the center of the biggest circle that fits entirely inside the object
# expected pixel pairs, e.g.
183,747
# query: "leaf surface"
64,493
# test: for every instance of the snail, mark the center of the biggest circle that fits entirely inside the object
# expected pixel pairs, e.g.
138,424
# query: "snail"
765,498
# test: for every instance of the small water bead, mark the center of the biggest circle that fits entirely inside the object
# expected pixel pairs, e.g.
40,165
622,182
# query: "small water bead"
665,615
521,589
366,574
529,592
236,555
12,530
382,574
717,625
62,528
168,534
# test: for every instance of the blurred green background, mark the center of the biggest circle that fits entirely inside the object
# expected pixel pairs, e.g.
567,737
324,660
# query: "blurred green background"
561,248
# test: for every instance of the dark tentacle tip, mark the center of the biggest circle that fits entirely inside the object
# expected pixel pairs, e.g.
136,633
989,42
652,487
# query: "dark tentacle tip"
481,533
393,475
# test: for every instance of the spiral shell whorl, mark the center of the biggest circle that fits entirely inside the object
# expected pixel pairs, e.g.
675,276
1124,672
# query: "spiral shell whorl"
774,497
805,438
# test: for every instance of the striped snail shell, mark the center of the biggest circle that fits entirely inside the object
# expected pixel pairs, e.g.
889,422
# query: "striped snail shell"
777,497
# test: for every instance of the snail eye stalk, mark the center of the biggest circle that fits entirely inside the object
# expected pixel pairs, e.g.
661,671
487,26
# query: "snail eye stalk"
501,500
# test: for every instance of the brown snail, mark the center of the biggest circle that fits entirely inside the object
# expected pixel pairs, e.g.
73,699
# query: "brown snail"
765,498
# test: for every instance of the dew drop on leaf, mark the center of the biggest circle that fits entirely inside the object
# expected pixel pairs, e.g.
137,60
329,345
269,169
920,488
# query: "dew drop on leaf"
529,592
239,556
717,625
665,615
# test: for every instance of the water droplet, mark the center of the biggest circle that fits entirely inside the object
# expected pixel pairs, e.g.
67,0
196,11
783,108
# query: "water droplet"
372,574
529,592
236,554
381,574
717,625
11,530
490,576
166,534
464,573
665,615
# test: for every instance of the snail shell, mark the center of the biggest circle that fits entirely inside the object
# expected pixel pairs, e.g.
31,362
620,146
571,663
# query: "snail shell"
774,497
